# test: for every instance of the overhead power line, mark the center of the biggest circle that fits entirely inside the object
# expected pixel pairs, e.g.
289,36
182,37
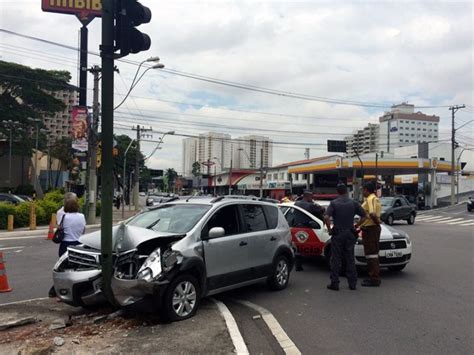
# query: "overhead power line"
242,86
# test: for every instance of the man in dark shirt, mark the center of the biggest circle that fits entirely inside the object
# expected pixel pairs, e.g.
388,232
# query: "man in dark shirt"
343,238
302,220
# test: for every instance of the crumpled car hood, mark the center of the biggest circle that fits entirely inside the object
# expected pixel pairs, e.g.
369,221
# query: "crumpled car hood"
124,237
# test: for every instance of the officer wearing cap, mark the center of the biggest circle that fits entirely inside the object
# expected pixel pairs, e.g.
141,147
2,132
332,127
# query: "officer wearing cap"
302,220
343,236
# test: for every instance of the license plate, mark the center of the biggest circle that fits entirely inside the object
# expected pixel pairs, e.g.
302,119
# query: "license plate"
393,254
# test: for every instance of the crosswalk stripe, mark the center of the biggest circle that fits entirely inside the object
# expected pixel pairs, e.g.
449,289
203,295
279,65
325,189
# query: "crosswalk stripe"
427,218
436,219
468,224
458,222
450,220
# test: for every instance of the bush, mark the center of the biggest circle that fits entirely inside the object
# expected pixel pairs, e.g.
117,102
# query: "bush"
22,215
55,196
49,208
5,210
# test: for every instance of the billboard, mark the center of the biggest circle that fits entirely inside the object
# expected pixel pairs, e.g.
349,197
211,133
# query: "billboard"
85,10
79,128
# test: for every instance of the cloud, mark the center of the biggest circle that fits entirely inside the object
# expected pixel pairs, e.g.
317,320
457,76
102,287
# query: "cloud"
388,52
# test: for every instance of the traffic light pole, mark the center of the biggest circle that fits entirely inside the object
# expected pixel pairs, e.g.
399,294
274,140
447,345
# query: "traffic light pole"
107,55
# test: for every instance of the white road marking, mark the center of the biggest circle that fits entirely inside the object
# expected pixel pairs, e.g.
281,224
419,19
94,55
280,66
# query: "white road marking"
436,219
235,335
18,238
280,335
468,224
458,222
9,248
427,218
450,221
24,301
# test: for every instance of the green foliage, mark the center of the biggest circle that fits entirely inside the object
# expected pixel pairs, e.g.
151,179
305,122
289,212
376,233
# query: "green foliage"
5,210
55,196
49,208
196,169
22,215
170,179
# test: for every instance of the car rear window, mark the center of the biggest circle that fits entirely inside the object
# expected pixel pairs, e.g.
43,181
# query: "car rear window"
272,216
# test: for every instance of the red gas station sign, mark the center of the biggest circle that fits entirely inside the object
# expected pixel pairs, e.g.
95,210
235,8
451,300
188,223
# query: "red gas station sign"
83,9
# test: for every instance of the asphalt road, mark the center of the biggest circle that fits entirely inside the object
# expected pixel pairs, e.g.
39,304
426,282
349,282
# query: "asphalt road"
427,308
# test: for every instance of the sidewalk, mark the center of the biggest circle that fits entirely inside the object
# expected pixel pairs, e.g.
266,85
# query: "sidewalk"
116,218
59,328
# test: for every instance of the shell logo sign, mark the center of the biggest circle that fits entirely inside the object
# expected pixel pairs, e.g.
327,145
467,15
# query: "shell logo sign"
434,163
338,163
83,9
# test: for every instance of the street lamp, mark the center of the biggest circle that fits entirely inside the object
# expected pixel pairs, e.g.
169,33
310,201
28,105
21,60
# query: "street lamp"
135,81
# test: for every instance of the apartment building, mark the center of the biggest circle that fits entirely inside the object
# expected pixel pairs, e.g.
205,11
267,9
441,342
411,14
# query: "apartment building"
59,124
190,151
248,152
365,140
215,147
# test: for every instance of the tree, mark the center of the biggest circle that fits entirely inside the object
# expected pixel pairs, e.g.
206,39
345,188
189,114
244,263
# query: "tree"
196,169
170,178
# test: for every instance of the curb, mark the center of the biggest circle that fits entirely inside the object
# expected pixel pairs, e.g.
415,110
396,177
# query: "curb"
236,336
38,231
280,335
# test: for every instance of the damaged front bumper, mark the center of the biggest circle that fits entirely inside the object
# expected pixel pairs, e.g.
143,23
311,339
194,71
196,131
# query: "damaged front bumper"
128,292
79,288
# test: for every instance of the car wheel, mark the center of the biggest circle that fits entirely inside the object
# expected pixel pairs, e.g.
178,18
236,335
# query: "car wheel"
411,219
181,299
397,267
280,276
390,219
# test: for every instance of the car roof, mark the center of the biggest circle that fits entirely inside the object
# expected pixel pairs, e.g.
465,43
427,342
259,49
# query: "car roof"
210,200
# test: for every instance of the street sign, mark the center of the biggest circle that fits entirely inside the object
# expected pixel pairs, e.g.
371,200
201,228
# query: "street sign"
85,10
337,146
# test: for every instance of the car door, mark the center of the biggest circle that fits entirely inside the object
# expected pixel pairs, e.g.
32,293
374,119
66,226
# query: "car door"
397,209
261,239
309,234
227,257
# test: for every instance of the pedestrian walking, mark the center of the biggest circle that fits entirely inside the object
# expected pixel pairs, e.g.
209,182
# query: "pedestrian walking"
343,236
301,220
60,213
73,223
370,226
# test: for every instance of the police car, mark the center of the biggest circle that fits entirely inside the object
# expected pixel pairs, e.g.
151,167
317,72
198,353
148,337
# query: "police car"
313,240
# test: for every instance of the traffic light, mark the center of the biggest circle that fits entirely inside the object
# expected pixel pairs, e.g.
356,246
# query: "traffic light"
130,14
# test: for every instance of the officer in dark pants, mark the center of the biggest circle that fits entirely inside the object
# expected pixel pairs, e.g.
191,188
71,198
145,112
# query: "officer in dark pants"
302,220
343,237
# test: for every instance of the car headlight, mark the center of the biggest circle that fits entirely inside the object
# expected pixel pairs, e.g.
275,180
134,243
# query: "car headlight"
151,268
170,259
61,259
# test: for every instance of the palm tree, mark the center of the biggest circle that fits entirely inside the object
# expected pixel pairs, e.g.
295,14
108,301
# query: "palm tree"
171,176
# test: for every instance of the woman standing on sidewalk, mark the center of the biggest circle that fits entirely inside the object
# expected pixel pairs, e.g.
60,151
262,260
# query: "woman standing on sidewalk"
74,224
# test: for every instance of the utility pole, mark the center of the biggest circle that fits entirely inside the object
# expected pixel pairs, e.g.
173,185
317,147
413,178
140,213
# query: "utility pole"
261,172
136,187
453,110
107,55
230,170
92,190
124,181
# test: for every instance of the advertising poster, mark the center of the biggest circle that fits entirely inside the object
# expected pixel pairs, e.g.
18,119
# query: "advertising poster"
79,127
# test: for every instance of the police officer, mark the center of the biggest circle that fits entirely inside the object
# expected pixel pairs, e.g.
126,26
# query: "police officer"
301,220
343,236
371,229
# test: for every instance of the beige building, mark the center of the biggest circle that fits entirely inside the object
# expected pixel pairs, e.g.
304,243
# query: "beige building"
59,125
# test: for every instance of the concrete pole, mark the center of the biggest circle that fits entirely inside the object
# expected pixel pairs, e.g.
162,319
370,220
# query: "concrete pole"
261,172
93,148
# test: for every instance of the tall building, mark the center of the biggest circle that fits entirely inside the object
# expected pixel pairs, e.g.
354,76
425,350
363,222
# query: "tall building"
365,140
247,152
190,150
400,127
215,147
59,125
403,126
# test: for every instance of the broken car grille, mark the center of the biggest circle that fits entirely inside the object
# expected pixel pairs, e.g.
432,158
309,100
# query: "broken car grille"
84,258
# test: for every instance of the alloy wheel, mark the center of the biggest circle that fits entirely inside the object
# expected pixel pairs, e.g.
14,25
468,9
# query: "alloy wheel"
282,272
184,298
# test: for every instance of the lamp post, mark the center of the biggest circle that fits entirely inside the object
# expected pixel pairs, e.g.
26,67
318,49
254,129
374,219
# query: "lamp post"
36,122
10,125
124,177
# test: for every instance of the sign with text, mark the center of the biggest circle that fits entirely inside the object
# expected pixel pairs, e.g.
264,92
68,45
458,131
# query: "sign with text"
336,146
85,10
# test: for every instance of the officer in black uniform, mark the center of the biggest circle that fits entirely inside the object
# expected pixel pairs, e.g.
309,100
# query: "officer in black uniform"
302,220
343,236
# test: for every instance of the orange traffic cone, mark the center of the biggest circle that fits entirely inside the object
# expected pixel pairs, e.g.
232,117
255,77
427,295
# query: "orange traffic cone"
3,276
50,232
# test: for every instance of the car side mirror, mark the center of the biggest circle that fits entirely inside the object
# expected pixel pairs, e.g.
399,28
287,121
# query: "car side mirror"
216,232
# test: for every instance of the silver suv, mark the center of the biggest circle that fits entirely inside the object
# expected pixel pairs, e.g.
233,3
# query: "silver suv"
181,251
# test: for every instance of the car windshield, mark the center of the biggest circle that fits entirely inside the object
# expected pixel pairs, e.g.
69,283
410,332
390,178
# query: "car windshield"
386,201
171,218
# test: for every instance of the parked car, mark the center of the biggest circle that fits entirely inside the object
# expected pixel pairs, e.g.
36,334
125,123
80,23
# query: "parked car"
397,208
315,241
25,197
470,203
181,251
157,200
10,198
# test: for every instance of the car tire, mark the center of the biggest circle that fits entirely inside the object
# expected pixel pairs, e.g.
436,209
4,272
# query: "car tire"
390,220
411,219
280,276
181,298
397,267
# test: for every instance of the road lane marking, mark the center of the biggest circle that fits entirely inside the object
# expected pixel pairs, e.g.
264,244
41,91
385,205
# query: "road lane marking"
468,224
436,219
449,220
24,301
232,327
458,222
19,238
9,248
427,218
280,335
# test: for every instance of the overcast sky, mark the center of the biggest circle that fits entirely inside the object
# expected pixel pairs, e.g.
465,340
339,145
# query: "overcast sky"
376,52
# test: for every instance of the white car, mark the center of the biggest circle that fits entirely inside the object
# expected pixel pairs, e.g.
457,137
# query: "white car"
313,240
